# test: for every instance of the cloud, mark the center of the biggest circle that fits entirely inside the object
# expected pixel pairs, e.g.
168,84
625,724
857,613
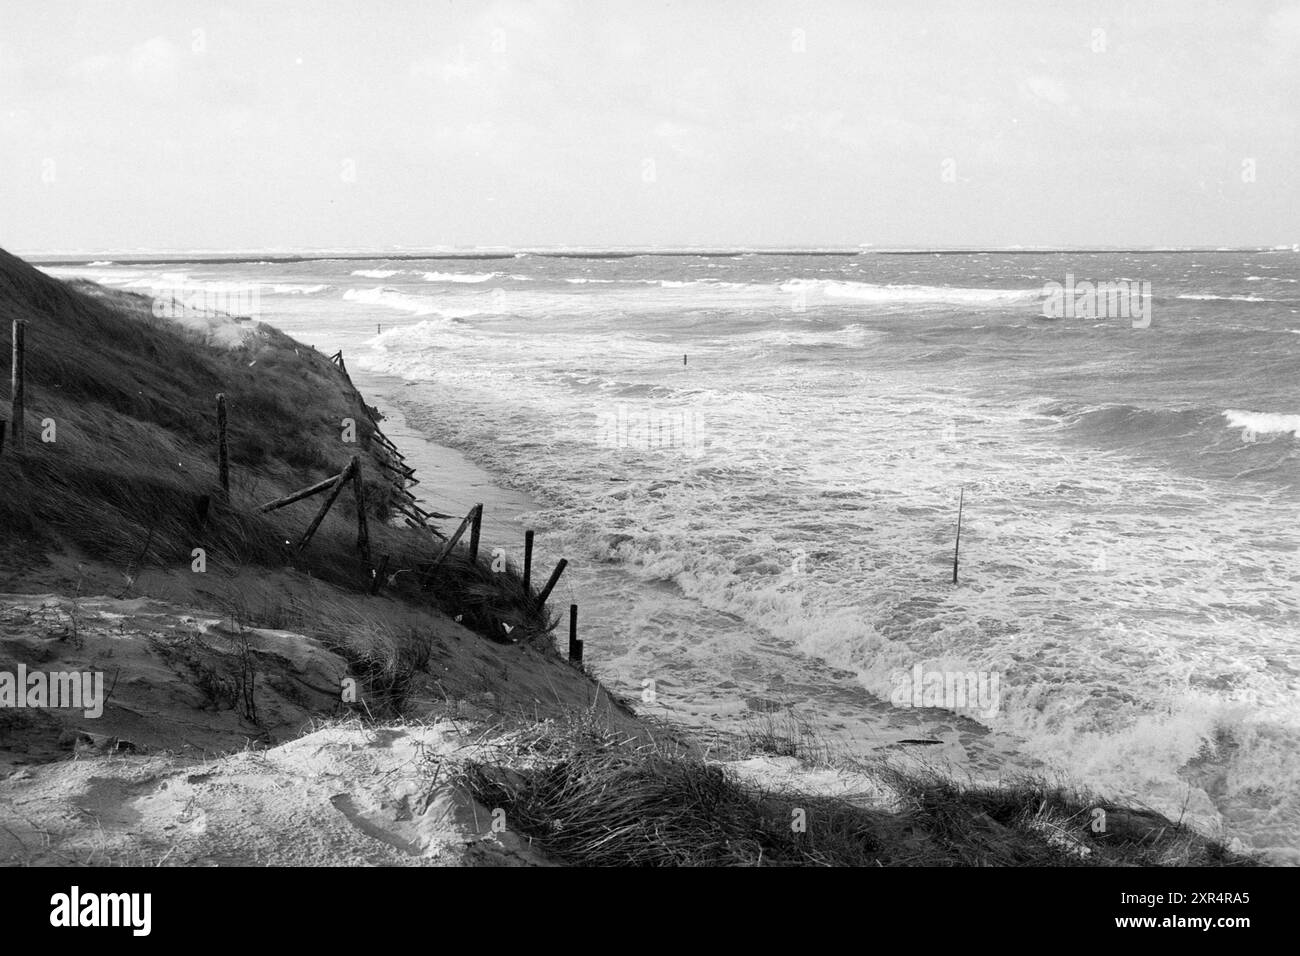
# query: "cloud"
1044,89
155,65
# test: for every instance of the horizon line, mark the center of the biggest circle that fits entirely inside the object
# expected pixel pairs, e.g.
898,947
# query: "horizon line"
231,256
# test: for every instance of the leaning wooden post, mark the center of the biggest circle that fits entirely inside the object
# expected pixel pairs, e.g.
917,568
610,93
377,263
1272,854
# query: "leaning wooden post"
298,495
956,550
551,582
446,550
359,493
528,559
575,645
223,458
18,383
339,482
476,516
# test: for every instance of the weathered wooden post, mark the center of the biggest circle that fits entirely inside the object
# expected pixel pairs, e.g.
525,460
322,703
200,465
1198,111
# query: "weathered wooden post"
223,458
339,482
18,382
476,525
359,493
298,495
551,582
575,645
528,559
446,550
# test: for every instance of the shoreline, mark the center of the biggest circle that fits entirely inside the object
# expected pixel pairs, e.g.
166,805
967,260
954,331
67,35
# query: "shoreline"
855,721
714,672
219,667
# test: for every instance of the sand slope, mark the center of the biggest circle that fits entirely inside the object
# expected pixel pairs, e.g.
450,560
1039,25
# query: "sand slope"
342,796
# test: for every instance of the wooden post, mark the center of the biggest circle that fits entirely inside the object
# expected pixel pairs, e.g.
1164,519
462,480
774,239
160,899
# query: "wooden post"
379,575
359,493
3,423
528,559
575,645
446,550
339,482
957,547
223,459
299,495
551,582
476,514
202,505
18,383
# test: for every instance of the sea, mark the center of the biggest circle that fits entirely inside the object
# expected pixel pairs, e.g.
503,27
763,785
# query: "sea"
755,462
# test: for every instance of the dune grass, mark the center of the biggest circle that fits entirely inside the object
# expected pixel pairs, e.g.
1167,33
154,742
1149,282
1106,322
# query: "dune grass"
130,476
589,797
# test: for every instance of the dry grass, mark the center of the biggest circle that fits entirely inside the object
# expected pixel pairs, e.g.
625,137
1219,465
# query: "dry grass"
593,798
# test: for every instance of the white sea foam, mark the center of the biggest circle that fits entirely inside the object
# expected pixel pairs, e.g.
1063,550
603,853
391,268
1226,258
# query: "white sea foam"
912,294
1263,423
285,288
376,273
470,277
405,302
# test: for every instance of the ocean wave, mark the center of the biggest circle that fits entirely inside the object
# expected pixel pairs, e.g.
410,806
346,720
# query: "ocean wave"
472,277
912,294
1228,298
376,273
1263,423
289,289
402,301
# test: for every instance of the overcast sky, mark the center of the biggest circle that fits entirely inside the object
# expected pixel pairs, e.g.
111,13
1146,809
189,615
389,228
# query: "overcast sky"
185,125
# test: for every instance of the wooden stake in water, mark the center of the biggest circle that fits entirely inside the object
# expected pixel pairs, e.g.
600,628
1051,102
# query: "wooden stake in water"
575,645
475,527
551,582
528,560
956,550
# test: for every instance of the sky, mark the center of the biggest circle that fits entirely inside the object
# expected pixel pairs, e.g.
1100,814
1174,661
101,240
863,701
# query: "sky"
178,125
